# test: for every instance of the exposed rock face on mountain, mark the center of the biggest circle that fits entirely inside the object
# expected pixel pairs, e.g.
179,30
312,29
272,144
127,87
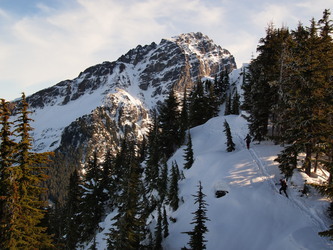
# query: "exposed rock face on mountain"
95,109
105,125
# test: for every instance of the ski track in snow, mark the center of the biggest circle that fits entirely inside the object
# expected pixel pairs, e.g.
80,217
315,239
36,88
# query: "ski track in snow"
296,202
293,199
253,209
253,215
315,218
259,163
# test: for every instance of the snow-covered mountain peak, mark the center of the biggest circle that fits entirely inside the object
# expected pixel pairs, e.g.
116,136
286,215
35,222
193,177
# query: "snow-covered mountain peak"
140,79
196,42
175,61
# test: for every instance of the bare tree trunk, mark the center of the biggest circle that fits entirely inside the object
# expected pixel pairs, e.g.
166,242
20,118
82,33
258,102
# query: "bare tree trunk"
316,162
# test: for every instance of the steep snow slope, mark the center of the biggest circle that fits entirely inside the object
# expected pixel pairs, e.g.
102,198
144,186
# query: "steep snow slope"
253,215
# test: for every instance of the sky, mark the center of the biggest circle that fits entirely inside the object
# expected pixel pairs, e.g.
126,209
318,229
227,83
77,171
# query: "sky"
43,42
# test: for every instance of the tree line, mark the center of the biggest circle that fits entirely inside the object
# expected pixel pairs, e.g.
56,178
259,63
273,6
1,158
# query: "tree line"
288,93
134,183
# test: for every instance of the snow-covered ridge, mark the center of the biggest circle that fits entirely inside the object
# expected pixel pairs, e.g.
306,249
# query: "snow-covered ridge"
201,45
145,74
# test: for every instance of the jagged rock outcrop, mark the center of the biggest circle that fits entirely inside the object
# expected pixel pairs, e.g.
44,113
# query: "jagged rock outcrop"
95,109
105,126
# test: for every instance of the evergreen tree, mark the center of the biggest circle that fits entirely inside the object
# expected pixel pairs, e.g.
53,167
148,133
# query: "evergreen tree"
265,72
165,224
7,175
227,109
184,118
106,184
246,87
170,138
143,149
217,88
212,101
26,204
326,48
235,104
307,107
325,26
174,189
154,155
92,203
326,190
119,172
188,157
55,219
230,143
163,181
303,84
177,170
223,85
62,165
198,103
158,231
328,233
288,161
73,219
129,222
203,103
197,235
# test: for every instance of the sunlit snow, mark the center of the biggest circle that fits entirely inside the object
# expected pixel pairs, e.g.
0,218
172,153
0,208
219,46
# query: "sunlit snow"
253,215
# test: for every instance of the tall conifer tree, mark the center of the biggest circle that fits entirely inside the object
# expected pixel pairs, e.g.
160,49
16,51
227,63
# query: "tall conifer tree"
158,231
28,208
73,218
198,103
163,181
92,202
227,109
153,156
184,118
230,143
169,124
174,189
165,224
224,83
212,101
197,235
188,156
235,104
8,176
128,227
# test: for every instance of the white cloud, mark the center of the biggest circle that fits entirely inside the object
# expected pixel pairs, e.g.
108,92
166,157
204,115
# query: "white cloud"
58,44
3,14
271,13
312,8
60,41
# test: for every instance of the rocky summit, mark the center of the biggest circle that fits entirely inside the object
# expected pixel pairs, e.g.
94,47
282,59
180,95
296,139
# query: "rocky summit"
96,108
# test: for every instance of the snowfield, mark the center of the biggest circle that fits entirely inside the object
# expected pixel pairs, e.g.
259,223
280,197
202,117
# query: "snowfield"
253,215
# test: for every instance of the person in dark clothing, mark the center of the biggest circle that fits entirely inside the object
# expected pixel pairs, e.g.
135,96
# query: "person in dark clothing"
305,190
248,140
284,186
